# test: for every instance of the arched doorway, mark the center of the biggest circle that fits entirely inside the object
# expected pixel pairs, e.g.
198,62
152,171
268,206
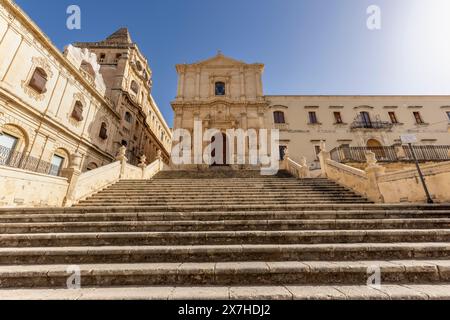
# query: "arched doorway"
373,143
223,160
376,147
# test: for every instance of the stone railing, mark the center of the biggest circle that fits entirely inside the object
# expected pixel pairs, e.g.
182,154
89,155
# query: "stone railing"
405,186
298,170
395,187
83,185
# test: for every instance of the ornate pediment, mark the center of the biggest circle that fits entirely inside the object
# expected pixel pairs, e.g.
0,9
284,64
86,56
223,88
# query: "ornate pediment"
220,60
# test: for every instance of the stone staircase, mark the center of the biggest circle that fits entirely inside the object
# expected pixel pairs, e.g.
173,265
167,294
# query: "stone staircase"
225,234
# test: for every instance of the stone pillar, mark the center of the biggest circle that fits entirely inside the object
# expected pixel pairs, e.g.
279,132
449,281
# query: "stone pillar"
324,156
285,162
374,171
400,152
305,173
143,164
2,121
121,156
72,173
160,159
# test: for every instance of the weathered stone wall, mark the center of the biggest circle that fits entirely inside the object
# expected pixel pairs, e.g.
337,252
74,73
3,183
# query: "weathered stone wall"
19,188
405,185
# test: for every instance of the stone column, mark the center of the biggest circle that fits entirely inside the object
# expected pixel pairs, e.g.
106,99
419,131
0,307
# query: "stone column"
121,156
324,156
374,171
2,122
197,85
72,173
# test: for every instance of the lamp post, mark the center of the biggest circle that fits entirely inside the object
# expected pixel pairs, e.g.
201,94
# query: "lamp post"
429,200
410,139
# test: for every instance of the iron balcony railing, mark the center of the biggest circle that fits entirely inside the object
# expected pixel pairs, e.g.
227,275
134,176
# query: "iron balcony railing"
377,125
397,153
19,160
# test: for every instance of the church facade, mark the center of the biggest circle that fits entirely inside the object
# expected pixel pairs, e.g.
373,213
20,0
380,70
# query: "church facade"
224,93
90,100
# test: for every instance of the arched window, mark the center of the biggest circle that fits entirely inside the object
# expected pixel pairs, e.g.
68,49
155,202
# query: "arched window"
58,162
139,65
86,66
39,80
103,131
128,117
134,87
77,112
220,89
279,117
91,166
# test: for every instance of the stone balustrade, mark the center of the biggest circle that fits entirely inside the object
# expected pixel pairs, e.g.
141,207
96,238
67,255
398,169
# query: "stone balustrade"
394,187
28,189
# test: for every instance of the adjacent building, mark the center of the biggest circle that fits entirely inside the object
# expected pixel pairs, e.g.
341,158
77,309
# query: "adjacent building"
91,99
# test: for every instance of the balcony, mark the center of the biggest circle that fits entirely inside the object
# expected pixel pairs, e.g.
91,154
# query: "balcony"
10,158
371,125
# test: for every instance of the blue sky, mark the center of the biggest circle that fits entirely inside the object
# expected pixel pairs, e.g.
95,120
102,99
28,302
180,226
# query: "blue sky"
308,46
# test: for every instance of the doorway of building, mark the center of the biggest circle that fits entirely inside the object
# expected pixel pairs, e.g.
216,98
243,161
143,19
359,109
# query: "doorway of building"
376,147
224,161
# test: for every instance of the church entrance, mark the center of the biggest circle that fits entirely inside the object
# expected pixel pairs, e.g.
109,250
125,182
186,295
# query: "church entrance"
223,160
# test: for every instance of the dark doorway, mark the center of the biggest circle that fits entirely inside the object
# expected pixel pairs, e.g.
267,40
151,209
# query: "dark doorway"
224,161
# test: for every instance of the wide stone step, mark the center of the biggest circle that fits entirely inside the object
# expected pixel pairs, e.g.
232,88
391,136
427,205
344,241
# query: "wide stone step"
243,216
318,208
213,200
228,274
229,185
207,195
222,238
224,253
221,203
210,206
226,183
286,292
227,225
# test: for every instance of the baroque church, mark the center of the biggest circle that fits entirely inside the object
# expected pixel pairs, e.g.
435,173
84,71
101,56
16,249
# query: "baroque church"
225,93
92,205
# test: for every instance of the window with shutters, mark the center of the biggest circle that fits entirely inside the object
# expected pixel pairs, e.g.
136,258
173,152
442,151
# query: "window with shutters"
77,112
39,80
103,131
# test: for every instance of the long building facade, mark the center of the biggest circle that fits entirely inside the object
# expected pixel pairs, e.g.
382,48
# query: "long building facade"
224,93
85,100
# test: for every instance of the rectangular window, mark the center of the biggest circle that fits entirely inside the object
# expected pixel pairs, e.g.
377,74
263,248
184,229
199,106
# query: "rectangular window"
282,152
57,163
338,118
279,117
366,120
448,115
312,117
418,117
393,117
7,146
